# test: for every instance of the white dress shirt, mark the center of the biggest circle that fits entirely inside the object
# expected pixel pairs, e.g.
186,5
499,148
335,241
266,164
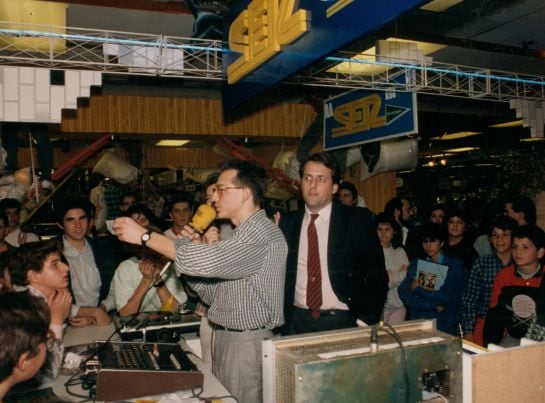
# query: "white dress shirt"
329,299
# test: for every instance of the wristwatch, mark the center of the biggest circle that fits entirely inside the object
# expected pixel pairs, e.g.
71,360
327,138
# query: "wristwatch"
145,237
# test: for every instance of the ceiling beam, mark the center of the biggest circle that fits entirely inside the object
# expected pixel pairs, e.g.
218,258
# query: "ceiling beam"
162,6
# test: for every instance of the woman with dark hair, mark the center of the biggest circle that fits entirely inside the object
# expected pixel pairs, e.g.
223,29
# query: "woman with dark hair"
459,242
396,262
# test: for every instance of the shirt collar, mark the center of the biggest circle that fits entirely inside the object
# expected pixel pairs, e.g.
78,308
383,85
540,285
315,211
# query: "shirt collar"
324,213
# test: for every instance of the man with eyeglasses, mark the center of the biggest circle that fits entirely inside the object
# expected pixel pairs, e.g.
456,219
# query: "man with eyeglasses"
39,268
335,275
240,278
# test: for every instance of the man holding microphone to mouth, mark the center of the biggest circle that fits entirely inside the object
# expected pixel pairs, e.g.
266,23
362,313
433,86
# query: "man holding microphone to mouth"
240,278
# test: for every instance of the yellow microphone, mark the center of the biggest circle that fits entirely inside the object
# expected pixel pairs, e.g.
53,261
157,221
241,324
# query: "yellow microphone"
203,217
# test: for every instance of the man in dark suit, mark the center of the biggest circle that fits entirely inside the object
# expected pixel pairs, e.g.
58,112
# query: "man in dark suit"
351,275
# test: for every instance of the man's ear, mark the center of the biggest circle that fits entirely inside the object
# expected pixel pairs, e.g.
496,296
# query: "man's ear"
335,188
22,362
32,276
540,252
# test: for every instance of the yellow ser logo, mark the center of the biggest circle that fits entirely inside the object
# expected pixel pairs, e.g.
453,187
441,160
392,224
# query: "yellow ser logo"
259,32
359,115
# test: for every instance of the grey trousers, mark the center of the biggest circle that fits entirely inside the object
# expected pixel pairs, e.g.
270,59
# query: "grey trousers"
236,362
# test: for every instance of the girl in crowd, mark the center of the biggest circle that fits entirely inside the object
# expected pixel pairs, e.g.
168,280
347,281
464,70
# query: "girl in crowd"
396,261
460,241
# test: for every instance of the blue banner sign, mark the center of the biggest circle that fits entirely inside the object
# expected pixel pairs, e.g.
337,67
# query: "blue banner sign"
365,116
270,40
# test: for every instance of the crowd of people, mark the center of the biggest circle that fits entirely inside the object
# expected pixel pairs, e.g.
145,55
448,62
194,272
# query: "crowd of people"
332,264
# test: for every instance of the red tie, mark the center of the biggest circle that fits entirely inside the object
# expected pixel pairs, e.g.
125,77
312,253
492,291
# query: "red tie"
314,274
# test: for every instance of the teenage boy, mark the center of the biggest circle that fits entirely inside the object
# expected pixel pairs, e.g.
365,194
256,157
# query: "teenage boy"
180,213
24,320
476,299
425,301
38,267
92,265
513,303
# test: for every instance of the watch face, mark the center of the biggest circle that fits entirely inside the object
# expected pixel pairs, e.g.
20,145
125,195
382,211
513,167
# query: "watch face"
146,237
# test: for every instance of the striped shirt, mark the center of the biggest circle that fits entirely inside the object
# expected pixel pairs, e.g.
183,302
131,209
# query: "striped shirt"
240,278
478,293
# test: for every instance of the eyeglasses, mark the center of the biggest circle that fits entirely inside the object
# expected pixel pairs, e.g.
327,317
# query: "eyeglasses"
320,178
221,189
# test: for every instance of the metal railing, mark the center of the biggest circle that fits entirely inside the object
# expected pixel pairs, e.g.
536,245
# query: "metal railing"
116,52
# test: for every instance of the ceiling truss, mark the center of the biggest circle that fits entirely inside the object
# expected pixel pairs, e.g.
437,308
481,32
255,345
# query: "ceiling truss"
158,55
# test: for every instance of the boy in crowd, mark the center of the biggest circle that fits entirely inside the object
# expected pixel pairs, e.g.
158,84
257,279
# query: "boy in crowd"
180,213
38,267
476,299
24,320
426,301
513,303
92,265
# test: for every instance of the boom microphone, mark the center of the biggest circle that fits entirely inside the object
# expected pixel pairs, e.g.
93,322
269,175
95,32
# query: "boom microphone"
203,217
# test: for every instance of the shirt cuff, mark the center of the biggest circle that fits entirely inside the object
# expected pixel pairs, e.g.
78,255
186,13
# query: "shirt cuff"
57,330
361,323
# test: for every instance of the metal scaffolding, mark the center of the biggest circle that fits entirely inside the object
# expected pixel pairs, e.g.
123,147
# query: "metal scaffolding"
115,52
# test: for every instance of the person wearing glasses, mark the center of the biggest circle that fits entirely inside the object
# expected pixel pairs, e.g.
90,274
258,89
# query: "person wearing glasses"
39,268
351,275
23,342
241,278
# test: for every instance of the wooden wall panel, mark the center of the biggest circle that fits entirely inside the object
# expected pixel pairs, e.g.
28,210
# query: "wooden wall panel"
378,189
123,114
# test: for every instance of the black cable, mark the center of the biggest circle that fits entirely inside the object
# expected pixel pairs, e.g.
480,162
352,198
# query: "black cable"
198,395
70,380
392,332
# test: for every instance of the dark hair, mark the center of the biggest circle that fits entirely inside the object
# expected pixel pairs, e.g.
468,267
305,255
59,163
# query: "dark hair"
72,203
433,232
210,180
523,204
31,256
503,222
128,194
461,214
384,218
24,324
4,217
441,207
326,159
249,175
395,203
10,203
145,211
532,232
350,187
180,199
